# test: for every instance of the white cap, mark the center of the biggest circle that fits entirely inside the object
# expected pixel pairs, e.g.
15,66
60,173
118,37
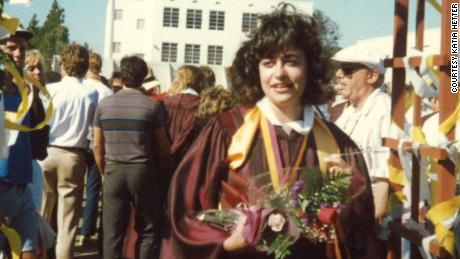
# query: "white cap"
150,84
363,54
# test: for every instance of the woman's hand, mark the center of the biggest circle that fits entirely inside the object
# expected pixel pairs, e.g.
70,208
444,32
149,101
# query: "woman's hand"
236,241
337,165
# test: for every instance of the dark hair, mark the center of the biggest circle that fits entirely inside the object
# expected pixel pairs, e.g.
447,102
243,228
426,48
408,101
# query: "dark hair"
133,70
209,75
74,59
278,31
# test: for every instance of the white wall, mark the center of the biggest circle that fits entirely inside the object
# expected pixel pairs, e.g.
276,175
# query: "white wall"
149,40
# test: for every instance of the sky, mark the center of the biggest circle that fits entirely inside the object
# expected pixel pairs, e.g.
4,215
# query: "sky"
357,19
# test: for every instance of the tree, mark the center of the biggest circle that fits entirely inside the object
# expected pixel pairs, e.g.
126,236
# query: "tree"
35,29
330,34
329,30
52,37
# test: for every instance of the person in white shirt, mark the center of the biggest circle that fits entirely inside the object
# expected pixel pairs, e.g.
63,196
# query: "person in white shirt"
64,168
93,79
359,80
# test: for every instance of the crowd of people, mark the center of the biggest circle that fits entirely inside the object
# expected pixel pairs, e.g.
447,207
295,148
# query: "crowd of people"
157,158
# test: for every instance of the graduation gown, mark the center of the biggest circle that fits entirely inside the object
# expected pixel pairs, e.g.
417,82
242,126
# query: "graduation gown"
182,124
203,173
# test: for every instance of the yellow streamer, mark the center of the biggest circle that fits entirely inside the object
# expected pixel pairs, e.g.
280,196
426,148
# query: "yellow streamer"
9,23
48,112
447,125
14,240
418,136
25,104
440,213
396,175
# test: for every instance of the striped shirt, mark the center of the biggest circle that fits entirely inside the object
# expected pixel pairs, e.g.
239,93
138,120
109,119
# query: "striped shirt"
128,119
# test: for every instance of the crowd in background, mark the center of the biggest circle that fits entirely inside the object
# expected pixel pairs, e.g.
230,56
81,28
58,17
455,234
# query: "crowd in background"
152,156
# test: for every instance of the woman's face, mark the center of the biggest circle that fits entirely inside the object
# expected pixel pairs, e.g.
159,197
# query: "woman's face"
283,77
35,71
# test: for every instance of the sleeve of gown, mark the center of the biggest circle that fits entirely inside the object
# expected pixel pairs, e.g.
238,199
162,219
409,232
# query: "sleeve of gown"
195,187
358,220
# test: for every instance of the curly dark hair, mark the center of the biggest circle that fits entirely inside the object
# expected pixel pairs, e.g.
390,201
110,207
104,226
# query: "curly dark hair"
133,71
280,30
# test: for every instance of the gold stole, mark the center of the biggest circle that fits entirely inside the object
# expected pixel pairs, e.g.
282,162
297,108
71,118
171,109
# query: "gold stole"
243,138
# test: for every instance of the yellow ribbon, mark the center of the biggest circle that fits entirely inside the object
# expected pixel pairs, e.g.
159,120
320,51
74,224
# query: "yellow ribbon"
9,23
440,213
418,136
25,104
48,112
13,239
396,175
447,125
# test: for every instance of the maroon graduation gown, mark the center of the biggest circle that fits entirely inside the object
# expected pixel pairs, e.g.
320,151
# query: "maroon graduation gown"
181,122
199,179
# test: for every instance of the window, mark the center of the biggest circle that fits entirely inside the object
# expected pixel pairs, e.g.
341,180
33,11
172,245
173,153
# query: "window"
118,15
192,54
249,22
216,20
116,47
140,24
169,52
194,19
215,55
170,17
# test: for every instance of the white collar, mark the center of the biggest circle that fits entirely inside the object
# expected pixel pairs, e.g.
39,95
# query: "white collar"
72,79
189,90
300,126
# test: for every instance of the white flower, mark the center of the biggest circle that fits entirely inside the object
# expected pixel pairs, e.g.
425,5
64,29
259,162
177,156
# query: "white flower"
201,217
276,222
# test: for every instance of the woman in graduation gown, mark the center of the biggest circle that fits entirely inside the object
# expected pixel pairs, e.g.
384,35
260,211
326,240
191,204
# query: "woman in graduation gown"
279,73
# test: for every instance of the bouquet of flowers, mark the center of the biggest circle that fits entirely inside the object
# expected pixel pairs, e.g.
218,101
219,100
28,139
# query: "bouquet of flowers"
307,207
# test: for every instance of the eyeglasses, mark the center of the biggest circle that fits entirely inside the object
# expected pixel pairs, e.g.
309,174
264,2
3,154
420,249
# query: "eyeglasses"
349,68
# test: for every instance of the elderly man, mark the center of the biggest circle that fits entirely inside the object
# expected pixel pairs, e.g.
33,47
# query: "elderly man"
17,209
359,80
64,169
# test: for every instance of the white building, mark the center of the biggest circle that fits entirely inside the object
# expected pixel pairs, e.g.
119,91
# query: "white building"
168,33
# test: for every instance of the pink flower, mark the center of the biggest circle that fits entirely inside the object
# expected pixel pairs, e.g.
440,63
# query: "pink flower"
276,222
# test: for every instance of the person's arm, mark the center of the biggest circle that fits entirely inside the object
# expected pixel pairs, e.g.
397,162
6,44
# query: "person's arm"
98,149
381,188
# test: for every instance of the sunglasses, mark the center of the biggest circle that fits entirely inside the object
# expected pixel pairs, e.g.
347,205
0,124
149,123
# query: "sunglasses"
349,68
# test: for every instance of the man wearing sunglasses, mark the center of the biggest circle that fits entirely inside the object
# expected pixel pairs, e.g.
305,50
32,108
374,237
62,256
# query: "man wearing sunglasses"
366,120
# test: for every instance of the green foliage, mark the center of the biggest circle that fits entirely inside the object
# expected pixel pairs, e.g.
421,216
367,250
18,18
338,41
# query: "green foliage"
329,30
279,247
330,35
52,37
